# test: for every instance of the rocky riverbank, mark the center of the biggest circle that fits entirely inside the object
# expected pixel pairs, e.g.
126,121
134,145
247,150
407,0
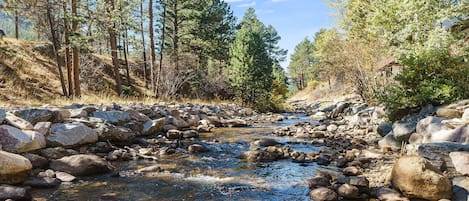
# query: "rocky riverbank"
424,156
49,146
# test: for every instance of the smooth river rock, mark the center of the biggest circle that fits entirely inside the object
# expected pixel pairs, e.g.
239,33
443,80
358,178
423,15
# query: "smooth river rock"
81,165
18,141
323,194
18,122
71,134
415,177
14,193
14,168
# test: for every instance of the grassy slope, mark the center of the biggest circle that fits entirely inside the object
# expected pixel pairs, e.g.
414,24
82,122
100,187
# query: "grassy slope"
29,75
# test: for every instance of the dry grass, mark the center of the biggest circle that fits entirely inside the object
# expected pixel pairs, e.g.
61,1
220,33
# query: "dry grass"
29,76
322,94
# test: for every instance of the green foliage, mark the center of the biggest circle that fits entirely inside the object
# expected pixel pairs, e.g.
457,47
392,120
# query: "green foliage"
250,70
301,68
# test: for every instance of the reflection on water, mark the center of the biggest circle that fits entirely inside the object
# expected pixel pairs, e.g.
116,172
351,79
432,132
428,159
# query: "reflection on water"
216,175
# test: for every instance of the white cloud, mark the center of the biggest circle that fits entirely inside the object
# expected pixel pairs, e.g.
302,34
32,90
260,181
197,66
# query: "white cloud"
275,1
247,4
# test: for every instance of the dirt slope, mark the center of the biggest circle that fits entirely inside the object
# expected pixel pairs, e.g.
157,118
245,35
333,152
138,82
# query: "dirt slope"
28,72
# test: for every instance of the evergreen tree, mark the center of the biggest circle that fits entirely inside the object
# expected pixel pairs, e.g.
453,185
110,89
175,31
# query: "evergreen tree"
250,65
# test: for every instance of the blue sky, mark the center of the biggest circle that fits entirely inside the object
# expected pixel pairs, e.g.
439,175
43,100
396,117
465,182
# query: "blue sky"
293,19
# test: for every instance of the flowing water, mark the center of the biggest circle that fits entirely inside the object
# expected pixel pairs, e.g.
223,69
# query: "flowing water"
216,175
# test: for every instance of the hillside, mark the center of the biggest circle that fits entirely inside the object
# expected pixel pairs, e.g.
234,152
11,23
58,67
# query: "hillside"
28,73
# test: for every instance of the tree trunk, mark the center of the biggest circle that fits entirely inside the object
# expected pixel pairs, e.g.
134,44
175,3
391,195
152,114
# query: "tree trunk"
160,69
127,67
76,66
176,37
17,33
115,60
68,59
55,48
145,73
152,47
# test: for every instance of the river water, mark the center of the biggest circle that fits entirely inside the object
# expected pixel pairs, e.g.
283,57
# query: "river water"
215,175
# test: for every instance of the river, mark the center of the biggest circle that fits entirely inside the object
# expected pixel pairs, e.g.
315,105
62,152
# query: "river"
216,175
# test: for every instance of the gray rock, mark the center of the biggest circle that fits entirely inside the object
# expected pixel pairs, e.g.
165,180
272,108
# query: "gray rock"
36,160
153,126
259,156
415,177
57,152
59,115
174,134
359,181
43,128
114,133
71,134
384,128
319,181
64,177
323,194
34,115
15,168
197,148
389,141
265,142
42,182
403,130
81,165
389,194
18,122
14,193
114,117
439,150
461,188
17,141
423,126
460,161
348,191
235,123
351,171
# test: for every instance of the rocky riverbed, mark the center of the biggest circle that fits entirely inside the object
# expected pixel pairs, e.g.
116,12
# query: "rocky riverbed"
341,150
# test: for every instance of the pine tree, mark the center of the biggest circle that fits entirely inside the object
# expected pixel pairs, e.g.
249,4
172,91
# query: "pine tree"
250,70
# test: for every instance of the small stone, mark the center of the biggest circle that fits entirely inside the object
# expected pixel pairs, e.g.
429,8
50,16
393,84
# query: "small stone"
323,194
64,177
351,171
319,181
197,148
349,191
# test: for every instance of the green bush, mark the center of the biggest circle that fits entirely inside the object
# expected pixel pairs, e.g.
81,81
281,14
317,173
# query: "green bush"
434,77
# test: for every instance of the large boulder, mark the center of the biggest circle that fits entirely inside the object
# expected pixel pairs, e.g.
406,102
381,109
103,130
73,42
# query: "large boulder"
34,115
437,151
114,117
460,161
415,177
18,141
114,133
153,126
81,165
403,130
177,122
71,134
14,168
465,115
8,192
18,122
